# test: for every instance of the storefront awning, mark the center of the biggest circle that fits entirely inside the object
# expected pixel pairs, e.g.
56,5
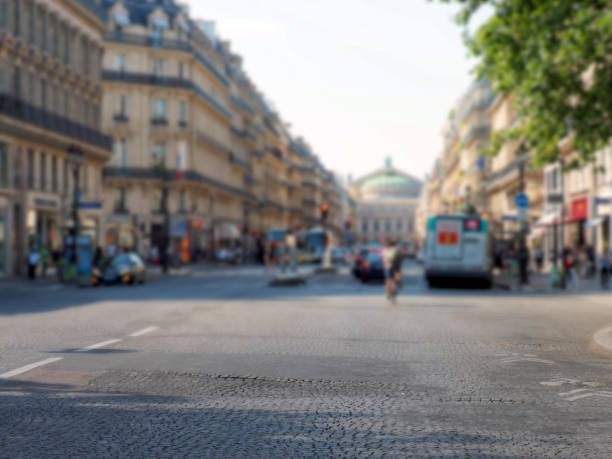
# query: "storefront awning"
594,222
547,220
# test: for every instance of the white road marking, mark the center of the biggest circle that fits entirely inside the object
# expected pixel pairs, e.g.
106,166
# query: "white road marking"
527,359
559,382
29,367
98,345
572,392
144,331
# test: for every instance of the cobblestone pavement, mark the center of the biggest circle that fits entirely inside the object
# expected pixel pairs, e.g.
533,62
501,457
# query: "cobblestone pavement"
233,368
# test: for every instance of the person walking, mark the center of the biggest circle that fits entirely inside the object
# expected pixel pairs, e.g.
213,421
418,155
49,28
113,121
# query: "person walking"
539,258
33,260
390,263
45,259
606,269
569,263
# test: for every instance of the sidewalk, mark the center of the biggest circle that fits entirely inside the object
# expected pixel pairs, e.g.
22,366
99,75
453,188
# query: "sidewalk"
540,283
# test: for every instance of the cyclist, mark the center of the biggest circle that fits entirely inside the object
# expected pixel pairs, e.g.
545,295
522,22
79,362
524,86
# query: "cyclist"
391,266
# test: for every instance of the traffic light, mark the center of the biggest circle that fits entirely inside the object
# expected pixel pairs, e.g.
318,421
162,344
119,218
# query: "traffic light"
324,211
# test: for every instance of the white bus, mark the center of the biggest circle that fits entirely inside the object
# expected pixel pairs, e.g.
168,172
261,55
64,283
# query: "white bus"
458,247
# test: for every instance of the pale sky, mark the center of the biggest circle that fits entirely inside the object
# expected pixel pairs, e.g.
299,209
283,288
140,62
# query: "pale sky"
358,79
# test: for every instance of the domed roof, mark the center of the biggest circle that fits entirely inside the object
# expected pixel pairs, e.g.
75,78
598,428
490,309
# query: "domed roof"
389,182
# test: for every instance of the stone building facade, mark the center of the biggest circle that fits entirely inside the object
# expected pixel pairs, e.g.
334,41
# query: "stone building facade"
386,204
50,121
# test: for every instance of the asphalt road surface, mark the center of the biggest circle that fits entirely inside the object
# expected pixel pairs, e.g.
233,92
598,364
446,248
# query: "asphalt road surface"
218,364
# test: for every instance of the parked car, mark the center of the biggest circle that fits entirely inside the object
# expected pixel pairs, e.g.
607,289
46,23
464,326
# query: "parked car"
357,260
372,267
125,268
228,256
338,255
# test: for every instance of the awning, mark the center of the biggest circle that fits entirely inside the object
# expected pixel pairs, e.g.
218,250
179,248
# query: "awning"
227,231
122,19
547,220
594,222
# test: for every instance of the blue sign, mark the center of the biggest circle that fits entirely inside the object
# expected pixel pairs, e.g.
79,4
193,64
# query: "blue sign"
522,201
481,163
90,205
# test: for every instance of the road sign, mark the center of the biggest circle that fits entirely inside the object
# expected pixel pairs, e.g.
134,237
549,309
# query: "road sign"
522,201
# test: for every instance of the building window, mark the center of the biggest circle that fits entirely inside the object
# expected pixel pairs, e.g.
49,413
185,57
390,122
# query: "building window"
54,174
4,175
182,201
121,62
43,171
183,113
159,154
120,201
159,68
364,226
123,152
181,70
32,23
376,226
4,12
30,169
400,225
156,201
159,110
55,33
157,36
123,105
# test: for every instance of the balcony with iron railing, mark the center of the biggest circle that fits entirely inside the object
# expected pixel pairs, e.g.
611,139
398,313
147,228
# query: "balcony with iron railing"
162,174
27,113
151,79
118,36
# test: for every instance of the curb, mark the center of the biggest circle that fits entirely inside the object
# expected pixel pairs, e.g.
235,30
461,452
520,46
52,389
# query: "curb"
603,338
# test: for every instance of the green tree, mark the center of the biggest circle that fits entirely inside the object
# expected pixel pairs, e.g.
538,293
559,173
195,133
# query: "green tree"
555,58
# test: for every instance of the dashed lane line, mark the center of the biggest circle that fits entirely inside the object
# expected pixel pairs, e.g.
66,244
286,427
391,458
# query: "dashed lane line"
99,345
144,331
29,367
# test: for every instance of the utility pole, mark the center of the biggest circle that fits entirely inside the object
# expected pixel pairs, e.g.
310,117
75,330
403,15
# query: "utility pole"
166,226
75,156
523,257
562,179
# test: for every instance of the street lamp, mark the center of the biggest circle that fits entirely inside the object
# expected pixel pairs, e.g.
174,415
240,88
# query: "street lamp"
75,157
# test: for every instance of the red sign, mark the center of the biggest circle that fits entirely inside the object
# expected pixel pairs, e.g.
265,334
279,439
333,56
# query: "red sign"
446,238
580,209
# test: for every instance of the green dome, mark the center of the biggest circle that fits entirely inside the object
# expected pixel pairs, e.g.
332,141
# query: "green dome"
388,180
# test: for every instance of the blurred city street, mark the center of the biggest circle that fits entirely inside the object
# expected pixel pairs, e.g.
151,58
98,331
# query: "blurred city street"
215,363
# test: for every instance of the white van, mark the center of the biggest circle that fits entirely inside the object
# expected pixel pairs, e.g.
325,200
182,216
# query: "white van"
458,247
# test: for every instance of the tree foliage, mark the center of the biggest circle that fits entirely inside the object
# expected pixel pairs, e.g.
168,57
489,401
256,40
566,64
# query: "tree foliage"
555,58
